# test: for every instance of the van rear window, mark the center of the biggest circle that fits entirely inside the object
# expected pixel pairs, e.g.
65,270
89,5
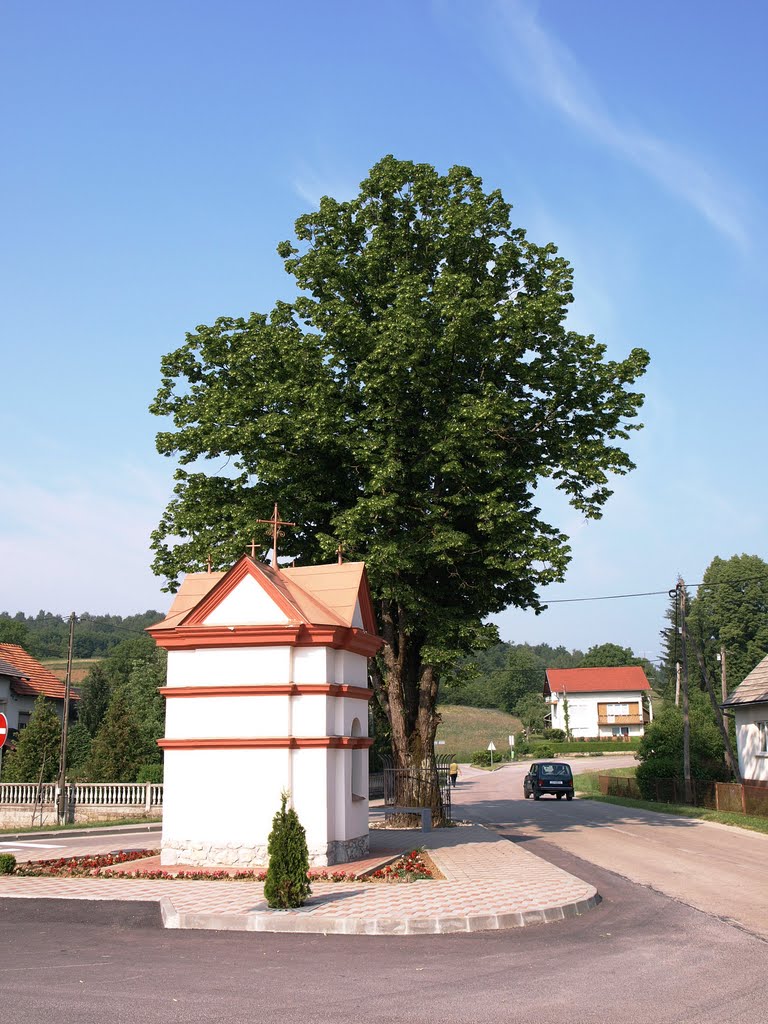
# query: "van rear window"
554,771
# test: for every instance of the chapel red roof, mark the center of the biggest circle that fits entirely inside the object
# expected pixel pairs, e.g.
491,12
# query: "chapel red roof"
596,680
33,678
316,594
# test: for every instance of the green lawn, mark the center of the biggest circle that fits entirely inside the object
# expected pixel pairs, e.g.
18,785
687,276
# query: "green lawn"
466,730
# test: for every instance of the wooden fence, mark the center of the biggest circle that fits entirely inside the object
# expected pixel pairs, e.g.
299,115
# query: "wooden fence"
738,797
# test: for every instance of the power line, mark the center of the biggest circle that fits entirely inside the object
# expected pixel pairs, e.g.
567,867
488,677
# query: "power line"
655,593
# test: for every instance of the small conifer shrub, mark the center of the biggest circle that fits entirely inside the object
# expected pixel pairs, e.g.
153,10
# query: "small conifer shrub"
287,884
7,863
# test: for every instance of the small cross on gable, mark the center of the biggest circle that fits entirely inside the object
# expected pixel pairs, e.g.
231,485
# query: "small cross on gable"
275,522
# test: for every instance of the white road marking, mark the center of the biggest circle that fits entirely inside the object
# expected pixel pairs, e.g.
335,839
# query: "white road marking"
32,846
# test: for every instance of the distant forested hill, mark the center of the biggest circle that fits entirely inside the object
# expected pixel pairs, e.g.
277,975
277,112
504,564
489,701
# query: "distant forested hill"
46,635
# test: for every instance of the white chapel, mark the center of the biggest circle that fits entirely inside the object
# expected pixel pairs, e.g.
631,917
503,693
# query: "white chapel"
267,690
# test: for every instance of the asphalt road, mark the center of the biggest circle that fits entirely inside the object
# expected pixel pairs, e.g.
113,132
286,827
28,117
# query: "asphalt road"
63,844
640,957
717,869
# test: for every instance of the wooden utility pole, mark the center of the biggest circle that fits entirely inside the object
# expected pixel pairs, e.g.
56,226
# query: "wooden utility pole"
686,709
723,676
677,684
62,801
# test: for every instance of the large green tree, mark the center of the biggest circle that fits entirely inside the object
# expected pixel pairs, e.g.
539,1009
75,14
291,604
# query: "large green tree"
406,405
35,757
730,613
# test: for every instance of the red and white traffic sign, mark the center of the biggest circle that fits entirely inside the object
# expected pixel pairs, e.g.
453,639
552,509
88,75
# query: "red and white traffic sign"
3,729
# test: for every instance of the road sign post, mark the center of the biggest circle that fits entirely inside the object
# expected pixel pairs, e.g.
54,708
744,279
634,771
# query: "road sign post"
491,747
3,735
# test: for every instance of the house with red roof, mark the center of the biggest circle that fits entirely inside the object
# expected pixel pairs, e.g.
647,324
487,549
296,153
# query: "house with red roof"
599,703
22,681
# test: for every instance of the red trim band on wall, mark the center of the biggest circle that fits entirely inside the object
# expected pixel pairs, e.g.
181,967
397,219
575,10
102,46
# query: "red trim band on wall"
347,638
271,690
270,743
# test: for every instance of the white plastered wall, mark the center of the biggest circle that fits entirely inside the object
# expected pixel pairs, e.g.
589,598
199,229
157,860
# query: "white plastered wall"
228,798
752,763
247,605
583,712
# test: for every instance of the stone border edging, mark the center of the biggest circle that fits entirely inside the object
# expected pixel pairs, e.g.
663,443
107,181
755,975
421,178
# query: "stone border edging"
293,921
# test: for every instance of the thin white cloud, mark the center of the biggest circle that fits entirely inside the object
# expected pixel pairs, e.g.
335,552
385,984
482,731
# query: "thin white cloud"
311,185
541,64
81,546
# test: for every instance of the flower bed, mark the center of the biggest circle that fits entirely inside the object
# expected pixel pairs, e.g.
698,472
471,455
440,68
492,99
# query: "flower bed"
411,867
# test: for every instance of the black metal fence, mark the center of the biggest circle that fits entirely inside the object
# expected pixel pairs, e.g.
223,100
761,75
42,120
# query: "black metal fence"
426,786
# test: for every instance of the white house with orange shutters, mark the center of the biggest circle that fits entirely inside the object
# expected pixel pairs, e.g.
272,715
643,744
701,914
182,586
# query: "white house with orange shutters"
599,703
267,690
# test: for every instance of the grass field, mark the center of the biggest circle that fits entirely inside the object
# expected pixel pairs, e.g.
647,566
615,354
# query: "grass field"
587,782
466,730
80,667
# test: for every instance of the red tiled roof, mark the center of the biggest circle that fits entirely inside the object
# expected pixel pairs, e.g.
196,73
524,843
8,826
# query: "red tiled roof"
596,680
39,679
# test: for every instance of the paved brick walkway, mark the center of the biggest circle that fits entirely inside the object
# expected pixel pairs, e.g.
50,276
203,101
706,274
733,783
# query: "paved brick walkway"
489,883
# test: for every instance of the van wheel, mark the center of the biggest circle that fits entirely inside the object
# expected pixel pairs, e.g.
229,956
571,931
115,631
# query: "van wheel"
569,796
537,796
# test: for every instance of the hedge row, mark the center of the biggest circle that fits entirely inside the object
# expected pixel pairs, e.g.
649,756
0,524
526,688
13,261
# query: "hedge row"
584,746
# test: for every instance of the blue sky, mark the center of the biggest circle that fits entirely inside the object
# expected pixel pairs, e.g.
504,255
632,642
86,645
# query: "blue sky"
156,153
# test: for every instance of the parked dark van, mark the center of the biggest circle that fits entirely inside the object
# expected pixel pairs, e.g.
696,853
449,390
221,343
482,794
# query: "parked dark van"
553,777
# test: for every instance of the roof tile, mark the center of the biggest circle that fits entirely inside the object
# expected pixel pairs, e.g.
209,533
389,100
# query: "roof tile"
33,678
597,680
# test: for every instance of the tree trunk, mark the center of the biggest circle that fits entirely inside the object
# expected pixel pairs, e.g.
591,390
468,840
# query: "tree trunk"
406,690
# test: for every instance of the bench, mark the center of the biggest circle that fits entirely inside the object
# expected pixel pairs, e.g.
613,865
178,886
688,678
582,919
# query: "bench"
425,812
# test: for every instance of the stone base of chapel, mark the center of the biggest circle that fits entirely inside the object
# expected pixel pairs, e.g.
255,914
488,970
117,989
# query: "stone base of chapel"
209,855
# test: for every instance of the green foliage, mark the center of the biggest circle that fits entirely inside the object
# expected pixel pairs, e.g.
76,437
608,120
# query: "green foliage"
531,711
13,631
95,692
554,734
78,751
36,754
150,773
482,758
406,404
119,748
522,746
731,611
287,884
7,860
46,635
542,750
660,752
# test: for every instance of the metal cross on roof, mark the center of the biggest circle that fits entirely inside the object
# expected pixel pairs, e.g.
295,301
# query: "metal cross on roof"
274,522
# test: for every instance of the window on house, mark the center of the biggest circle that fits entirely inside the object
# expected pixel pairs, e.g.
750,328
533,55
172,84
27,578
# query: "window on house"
618,709
763,730
24,719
